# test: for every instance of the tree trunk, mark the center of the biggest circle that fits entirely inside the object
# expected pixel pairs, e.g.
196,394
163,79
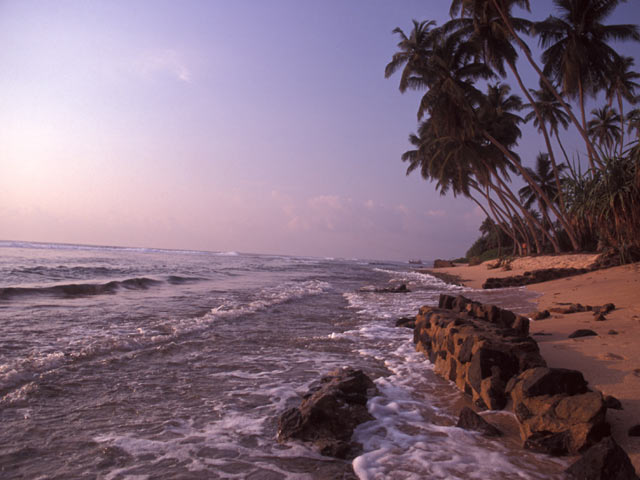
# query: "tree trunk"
500,221
543,128
621,125
523,46
584,125
535,186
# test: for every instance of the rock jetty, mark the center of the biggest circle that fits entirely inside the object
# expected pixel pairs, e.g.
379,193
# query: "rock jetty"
488,353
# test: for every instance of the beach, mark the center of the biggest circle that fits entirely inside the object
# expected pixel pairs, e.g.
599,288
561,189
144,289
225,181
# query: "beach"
610,361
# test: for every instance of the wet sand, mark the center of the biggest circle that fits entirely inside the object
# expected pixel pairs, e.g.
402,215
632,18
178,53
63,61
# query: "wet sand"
610,361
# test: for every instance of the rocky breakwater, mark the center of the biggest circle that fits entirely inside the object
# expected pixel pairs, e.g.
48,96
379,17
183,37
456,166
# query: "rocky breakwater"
330,412
488,353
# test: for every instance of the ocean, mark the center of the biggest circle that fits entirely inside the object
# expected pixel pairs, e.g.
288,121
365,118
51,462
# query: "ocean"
133,363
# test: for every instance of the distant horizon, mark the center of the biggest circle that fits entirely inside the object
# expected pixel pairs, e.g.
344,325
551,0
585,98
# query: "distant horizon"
187,250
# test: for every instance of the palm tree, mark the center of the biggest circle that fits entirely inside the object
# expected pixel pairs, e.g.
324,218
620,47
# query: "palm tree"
622,85
577,54
603,127
413,51
633,122
479,8
549,111
543,175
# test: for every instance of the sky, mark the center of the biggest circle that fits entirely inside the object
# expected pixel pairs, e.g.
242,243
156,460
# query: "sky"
247,125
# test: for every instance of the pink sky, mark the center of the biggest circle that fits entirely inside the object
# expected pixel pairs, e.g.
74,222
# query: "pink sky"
252,126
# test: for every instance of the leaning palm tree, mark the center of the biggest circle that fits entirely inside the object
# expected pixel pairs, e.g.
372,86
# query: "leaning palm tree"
413,49
503,8
543,175
622,86
633,122
577,54
604,128
550,112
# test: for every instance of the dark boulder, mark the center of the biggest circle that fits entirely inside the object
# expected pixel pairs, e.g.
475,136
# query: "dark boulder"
634,431
470,420
329,414
402,288
442,264
541,315
612,402
605,460
407,322
553,381
583,332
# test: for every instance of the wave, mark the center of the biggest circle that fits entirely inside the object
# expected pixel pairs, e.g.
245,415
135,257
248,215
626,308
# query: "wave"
72,290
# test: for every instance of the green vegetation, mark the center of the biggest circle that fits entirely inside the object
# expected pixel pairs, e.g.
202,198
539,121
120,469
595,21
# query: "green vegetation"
469,124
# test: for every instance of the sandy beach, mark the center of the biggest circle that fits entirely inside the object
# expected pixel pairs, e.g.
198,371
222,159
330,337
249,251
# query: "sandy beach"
610,361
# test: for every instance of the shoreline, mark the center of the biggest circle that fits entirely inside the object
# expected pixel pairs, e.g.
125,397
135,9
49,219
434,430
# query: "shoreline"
610,361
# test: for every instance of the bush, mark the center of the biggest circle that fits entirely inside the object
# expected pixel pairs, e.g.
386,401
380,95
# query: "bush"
460,260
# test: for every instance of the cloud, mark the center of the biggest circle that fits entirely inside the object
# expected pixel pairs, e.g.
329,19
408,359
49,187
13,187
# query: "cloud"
436,213
165,61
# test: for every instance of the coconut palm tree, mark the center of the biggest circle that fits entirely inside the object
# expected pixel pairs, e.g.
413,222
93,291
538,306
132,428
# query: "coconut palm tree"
633,122
622,85
604,128
413,50
503,8
550,112
577,54
543,175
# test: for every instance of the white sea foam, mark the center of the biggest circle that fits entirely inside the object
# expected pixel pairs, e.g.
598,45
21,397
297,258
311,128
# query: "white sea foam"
412,436
270,296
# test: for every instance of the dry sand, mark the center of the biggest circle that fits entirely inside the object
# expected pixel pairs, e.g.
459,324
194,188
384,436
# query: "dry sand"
610,361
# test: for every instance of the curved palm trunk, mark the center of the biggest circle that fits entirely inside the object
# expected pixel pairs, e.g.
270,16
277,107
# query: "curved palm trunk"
533,223
584,125
621,125
517,224
535,186
497,226
523,46
564,152
499,214
543,127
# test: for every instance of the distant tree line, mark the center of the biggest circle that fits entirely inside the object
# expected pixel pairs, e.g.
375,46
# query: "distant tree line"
469,122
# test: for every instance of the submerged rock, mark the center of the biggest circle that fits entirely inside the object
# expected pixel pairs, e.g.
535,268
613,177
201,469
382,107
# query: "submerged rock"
329,414
470,420
407,322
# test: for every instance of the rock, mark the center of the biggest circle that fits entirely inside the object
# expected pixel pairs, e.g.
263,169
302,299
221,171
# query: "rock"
550,443
612,332
600,317
407,322
552,381
634,431
612,402
583,332
541,315
402,288
604,309
605,460
557,412
442,264
330,412
536,276
470,420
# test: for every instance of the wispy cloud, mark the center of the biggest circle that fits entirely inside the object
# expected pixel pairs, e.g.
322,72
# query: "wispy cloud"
165,61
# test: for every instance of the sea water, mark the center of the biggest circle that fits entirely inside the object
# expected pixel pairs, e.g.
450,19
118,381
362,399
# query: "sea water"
121,363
